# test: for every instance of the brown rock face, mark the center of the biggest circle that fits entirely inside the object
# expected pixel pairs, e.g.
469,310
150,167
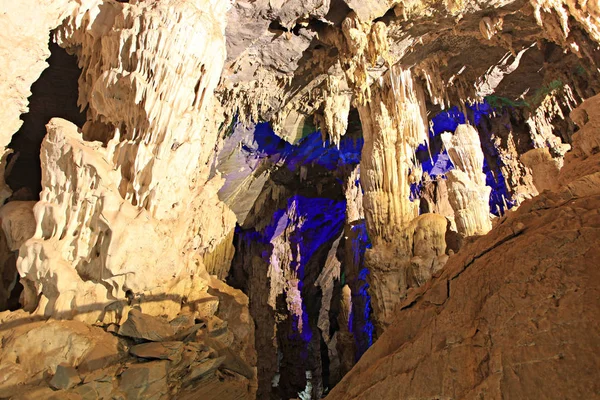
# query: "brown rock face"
141,326
514,315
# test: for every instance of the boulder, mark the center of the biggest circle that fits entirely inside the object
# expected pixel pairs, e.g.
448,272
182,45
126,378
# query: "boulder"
203,368
38,348
94,391
145,381
146,327
65,377
161,351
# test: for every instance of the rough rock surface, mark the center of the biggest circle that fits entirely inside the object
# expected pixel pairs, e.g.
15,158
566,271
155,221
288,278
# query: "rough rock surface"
151,111
473,332
141,326
467,190
81,361
24,60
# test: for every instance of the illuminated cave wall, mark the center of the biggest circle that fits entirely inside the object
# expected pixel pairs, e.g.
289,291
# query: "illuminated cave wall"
281,251
292,214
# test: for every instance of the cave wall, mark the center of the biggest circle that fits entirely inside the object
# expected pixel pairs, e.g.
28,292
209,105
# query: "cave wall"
54,94
357,145
146,128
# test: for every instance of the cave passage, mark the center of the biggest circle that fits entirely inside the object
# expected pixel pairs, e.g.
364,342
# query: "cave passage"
309,334
286,242
290,261
54,94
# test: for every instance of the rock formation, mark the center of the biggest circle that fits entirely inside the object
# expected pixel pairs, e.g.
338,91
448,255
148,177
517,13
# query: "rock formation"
244,199
467,191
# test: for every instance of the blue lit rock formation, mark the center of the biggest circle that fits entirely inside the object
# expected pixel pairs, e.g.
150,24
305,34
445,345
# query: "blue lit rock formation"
462,334
289,258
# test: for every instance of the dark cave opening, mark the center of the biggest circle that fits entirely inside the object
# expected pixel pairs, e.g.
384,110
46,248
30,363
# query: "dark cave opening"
54,94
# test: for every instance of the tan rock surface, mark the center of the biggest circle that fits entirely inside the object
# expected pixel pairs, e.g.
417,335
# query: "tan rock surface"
475,332
130,215
26,34
153,109
33,350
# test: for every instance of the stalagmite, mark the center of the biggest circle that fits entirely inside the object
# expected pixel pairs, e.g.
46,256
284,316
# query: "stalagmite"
393,126
468,193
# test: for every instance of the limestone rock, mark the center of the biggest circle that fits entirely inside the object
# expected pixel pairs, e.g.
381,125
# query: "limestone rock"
370,10
147,381
234,309
32,349
65,377
12,376
459,335
77,174
468,193
161,351
393,124
585,156
135,212
544,167
24,60
126,96
142,326
18,222
151,110
470,342
246,172
94,391
205,367
18,225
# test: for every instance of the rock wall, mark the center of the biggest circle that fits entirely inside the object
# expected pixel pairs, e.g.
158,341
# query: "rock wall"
128,209
28,33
